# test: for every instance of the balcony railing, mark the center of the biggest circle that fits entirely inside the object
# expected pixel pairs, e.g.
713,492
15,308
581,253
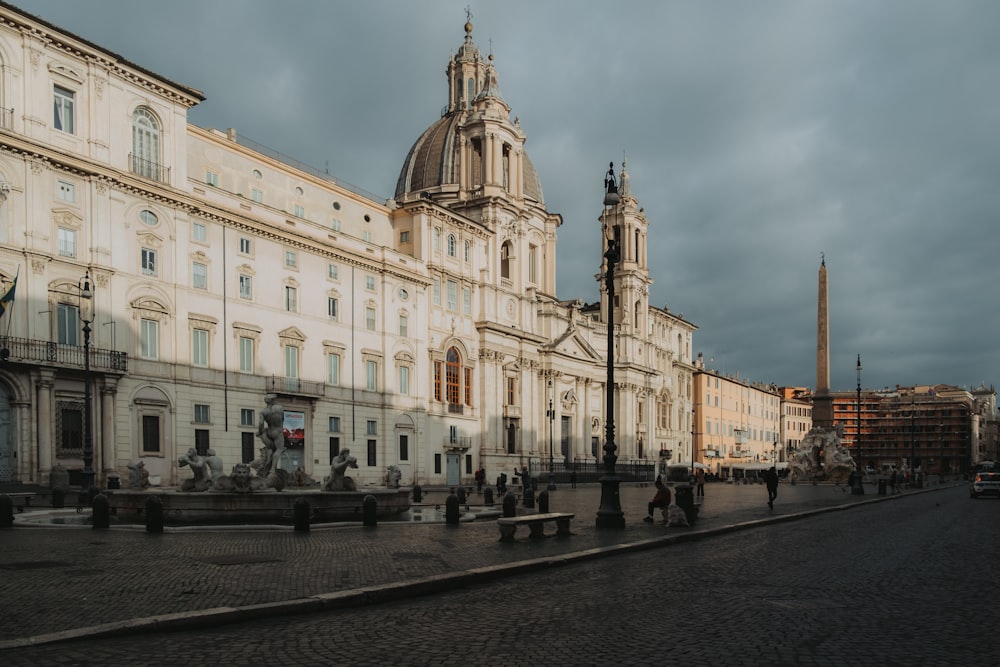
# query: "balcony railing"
30,351
294,386
147,169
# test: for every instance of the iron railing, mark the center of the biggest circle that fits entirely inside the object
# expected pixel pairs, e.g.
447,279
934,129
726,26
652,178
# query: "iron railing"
31,351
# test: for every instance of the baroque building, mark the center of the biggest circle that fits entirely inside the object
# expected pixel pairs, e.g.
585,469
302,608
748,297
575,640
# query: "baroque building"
186,272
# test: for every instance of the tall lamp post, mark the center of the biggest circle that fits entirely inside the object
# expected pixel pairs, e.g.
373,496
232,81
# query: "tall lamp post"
859,481
610,514
88,440
913,441
551,415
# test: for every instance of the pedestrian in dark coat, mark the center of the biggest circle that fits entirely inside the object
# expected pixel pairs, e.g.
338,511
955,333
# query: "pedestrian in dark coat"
771,481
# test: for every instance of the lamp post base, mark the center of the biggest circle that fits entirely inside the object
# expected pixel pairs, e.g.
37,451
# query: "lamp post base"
610,514
858,489
552,481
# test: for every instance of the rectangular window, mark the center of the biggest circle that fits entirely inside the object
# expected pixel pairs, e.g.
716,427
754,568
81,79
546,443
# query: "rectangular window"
371,453
437,239
437,291
335,424
199,232
366,236
371,375
452,295
331,307
333,369
404,325
437,464
67,324
370,319
335,224
67,242
246,287
149,261
404,447
291,362
246,417
466,300
246,354
71,432
65,191
211,178
404,380
257,195
201,413
404,237
151,434
291,259
468,386
201,444
291,299
300,211
370,283
246,445
199,347
199,276
371,427
149,339
334,448
332,272
246,245
511,395
63,111
437,380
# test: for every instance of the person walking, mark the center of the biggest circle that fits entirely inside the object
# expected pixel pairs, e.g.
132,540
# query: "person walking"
699,481
572,479
771,481
661,500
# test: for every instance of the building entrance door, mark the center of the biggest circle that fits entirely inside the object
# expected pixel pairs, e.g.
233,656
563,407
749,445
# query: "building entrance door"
8,458
453,471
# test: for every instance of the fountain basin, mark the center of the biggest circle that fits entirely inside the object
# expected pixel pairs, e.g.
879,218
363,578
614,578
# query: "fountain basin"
256,507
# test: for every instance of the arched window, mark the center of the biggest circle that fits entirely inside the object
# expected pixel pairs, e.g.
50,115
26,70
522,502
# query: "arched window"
452,245
505,252
146,145
453,376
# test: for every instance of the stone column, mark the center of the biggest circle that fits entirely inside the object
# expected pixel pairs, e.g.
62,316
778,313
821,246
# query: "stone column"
46,420
106,437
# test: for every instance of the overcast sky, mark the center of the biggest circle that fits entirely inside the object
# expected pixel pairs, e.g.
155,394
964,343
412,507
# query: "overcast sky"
758,135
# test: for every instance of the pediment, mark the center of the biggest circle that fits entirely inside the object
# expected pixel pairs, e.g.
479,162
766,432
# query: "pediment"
293,333
572,344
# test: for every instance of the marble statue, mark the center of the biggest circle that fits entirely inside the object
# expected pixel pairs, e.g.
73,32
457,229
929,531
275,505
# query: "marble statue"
214,464
138,476
271,431
392,476
338,480
821,457
240,480
199,468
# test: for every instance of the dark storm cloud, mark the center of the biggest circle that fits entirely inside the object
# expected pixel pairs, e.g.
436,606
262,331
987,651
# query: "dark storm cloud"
758,135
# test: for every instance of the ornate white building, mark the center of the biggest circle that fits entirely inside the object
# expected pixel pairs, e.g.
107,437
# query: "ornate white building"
423,331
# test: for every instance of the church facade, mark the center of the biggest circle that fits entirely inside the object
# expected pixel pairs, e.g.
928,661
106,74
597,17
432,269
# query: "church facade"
185,272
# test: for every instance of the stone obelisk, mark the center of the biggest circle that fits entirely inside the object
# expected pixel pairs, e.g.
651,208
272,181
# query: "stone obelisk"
823,401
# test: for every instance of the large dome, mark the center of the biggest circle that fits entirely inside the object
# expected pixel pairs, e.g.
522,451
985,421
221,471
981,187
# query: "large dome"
431,162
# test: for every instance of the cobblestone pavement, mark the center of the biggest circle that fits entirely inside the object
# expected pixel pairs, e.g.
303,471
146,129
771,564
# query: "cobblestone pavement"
58,579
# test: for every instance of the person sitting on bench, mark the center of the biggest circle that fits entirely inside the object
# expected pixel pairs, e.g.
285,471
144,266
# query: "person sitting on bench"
661,500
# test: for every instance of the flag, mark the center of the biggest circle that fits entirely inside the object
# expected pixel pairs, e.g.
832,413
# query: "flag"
8,297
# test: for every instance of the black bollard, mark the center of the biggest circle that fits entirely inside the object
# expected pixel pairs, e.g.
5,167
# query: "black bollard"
6,512
102,511
509,504
460,492
300,515
154,515
418,493
58,499
529,497
543,502
369,508
451,510
488,497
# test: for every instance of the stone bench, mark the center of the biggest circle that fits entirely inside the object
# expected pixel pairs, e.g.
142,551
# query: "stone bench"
535,522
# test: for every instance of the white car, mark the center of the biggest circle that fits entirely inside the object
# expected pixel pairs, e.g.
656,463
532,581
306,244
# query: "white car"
985,483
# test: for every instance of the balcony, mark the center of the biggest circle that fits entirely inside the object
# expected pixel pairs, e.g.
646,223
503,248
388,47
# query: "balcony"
47,353
147,169
458,443
294,387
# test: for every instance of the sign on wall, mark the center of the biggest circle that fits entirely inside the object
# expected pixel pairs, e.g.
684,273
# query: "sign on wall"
295,429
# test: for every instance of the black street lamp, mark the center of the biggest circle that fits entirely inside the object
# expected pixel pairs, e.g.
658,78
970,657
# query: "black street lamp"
88,440
551,415
859,482
913,442
610,514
